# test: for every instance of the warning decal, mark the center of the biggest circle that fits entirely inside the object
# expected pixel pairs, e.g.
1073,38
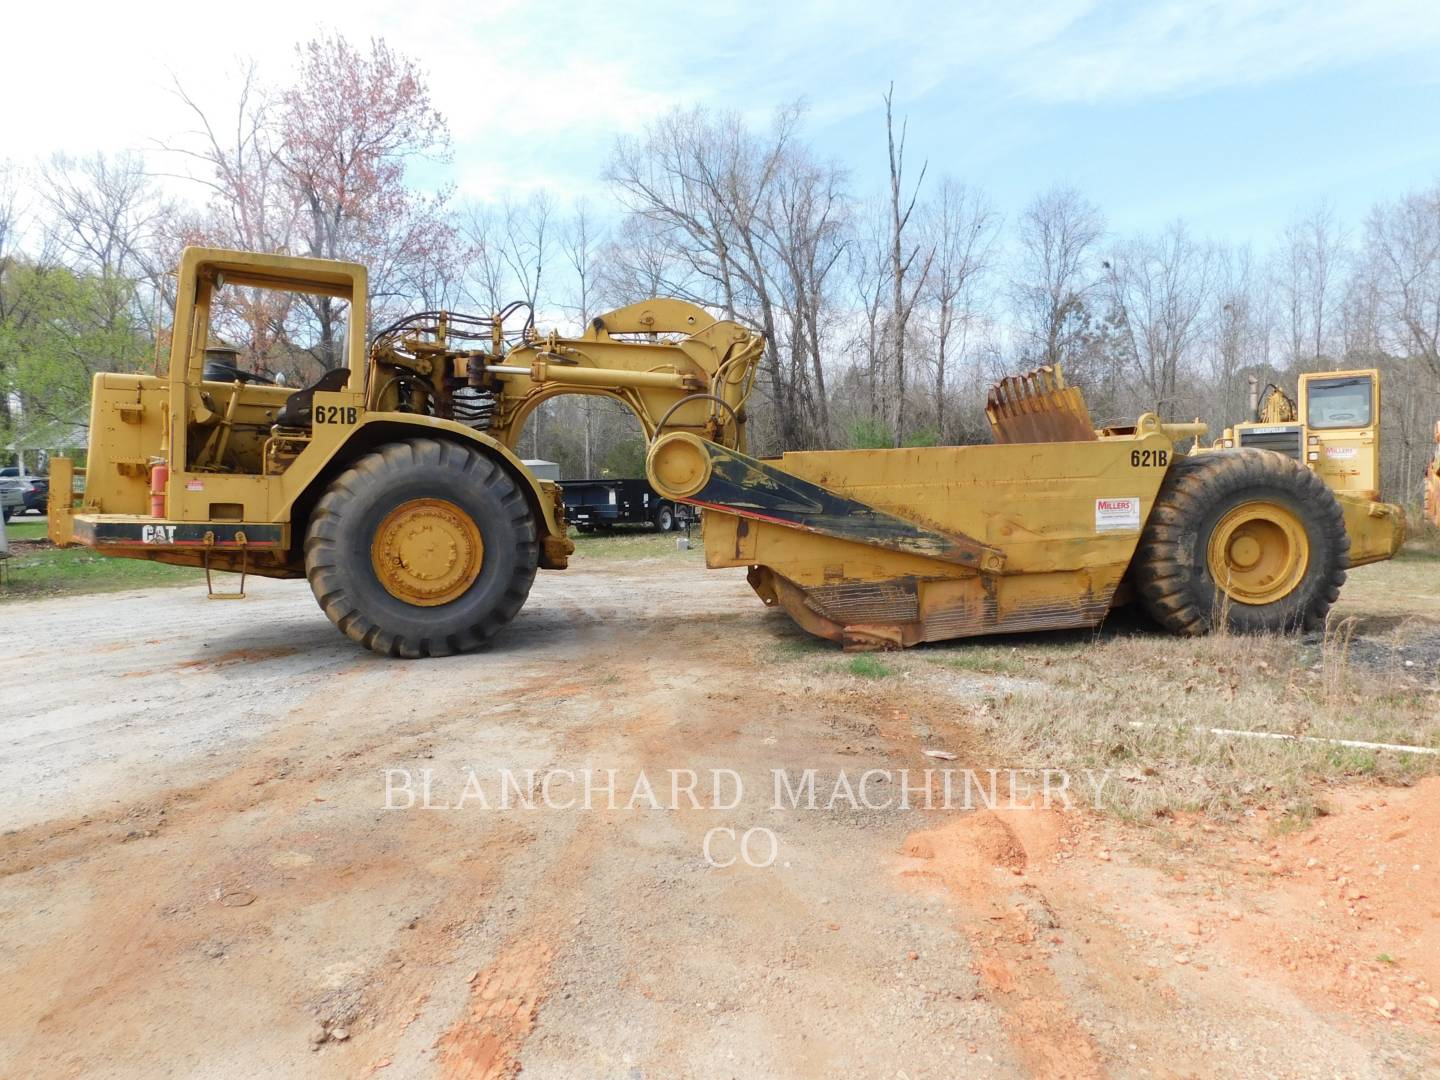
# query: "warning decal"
1117,515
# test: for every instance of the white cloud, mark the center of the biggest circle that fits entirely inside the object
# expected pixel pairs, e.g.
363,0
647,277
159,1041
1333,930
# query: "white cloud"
1175,47
536,92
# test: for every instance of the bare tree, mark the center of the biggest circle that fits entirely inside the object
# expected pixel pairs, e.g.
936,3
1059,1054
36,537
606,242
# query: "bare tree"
579,241
1058,234
1310,262
1403,246
487,282
869,268
963,232
234,159
704,185
1160,287
907,259
102,210
1238,318
526,240
637,262
806,234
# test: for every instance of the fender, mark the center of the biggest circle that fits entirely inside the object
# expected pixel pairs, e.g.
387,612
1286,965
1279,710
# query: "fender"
376,429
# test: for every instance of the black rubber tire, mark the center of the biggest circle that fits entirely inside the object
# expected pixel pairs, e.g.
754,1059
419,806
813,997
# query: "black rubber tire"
337,548
664,518
1171,569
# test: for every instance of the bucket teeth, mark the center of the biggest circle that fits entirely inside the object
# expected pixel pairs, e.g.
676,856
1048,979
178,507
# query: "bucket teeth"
1038,407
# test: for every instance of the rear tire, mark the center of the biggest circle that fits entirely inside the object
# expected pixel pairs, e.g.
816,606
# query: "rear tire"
1248,538
664,519
455,497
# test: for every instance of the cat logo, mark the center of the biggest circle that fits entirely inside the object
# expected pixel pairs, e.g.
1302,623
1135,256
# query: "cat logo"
157,534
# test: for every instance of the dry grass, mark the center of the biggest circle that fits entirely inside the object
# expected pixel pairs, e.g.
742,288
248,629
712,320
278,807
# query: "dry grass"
1142,706
1423,537
1140,702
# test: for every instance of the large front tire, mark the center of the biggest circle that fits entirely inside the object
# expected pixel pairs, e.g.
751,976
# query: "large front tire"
421,548
1249,539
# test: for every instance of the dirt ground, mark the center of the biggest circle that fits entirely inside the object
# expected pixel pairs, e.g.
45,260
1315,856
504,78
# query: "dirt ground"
201,877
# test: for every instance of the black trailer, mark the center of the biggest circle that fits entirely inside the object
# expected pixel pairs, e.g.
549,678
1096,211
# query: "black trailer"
602,504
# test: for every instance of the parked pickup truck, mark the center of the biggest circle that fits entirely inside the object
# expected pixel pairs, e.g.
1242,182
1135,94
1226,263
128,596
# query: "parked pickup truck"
601,504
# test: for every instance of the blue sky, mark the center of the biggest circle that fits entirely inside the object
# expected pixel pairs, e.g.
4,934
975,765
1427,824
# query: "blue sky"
1231,114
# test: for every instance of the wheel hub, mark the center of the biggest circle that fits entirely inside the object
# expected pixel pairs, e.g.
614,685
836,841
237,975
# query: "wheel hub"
427,552
1258,553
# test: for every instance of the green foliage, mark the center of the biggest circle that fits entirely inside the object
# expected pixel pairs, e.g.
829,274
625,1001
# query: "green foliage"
981,660
626,459
51,571
876,435
870,435
57,330
866,666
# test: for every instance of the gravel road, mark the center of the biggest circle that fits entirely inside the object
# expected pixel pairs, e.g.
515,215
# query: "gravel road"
219,859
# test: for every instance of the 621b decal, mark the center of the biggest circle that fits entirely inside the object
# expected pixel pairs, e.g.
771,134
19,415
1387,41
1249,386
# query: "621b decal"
335,414
1147,459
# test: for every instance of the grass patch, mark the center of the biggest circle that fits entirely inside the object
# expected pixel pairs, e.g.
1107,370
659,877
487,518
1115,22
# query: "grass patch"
624,544
867,666
1403,586
26,528
982,660
47,572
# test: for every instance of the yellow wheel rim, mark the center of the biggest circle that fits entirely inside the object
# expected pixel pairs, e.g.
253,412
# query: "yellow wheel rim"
1258,553
427,552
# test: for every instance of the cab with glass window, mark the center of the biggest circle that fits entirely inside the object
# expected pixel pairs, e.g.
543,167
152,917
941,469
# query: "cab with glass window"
1335,430
1341,413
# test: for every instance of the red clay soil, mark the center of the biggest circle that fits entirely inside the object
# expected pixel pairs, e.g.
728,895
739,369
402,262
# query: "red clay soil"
1353,911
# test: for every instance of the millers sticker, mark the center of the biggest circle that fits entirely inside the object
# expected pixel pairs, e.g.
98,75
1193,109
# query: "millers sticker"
1117,515
1341,451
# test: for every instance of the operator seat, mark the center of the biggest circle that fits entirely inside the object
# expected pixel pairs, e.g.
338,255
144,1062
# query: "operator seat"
295,413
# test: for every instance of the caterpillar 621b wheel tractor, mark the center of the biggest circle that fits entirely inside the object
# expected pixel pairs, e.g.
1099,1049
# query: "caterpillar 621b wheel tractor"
392,482
393,486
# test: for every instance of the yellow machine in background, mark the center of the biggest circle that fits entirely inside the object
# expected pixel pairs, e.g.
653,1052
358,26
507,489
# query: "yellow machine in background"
1335,432
393,486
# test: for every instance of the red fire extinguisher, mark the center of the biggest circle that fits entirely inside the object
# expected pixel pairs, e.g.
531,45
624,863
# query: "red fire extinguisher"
159,477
